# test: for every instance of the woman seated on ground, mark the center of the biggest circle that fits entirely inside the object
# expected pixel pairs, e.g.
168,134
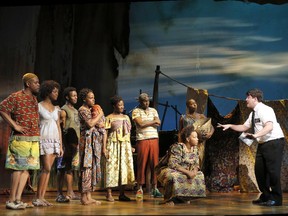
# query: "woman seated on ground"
180,174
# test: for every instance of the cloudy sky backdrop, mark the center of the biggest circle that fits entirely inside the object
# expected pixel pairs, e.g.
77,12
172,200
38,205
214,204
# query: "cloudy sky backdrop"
226,47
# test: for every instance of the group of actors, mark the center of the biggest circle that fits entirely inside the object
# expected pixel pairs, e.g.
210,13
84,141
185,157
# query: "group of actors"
99,145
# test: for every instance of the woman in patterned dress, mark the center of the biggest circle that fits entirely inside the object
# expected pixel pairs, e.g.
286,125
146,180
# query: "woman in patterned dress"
92,136
119,170
192,117
181,177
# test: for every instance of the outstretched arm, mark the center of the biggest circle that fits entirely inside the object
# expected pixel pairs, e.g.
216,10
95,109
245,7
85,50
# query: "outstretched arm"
239,128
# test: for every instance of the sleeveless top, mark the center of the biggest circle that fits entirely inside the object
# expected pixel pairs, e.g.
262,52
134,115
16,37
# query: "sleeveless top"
72,119
187,121
48,125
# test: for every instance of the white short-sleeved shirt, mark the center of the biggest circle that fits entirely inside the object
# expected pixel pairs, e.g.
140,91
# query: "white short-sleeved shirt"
263,114
148,115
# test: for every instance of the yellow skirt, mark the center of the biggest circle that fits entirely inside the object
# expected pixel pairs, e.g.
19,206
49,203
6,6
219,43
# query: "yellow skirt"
23,155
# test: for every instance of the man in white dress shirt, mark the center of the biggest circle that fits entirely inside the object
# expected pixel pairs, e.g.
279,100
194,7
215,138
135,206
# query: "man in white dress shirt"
270,138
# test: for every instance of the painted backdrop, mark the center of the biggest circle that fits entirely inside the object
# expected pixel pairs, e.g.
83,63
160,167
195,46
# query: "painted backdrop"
226,47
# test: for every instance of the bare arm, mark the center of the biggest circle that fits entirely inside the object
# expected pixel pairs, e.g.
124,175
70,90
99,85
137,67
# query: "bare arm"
94,121
142,124
175,159
12,123
239,128
104,149
266,129
191,174
180,124
60,134
63,115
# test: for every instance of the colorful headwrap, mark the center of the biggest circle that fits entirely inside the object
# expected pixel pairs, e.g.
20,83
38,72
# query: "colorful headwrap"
28,76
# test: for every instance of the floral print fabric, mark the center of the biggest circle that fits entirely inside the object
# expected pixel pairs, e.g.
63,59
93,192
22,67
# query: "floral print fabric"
177,184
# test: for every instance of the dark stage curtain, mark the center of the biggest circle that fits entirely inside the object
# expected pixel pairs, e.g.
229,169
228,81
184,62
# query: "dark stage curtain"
73,44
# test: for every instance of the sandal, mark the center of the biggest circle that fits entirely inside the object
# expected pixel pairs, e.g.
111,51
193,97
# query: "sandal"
62,199
26,205
15,205
47,203
73,197
124,198
38,203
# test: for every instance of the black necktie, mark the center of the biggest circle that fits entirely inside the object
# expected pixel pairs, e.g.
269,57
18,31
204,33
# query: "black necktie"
253,122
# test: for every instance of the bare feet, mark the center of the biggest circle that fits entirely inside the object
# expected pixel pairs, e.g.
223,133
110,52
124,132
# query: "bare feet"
97,202
86,199
109,198
83,199
170,203
38,202
93,201
87,202
83,202
90,202
72,196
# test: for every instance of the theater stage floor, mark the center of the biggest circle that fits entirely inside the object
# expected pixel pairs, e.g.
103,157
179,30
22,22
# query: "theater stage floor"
232,203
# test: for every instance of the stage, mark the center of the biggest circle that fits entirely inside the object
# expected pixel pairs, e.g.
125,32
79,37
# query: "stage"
232,203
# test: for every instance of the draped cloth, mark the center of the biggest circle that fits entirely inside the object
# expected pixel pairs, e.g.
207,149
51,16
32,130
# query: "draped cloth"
222,152
90,151
229,162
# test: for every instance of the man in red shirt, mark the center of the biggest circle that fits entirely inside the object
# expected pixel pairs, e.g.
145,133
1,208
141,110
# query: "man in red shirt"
20,111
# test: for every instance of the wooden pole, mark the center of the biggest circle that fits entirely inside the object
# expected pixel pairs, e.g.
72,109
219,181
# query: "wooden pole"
155,89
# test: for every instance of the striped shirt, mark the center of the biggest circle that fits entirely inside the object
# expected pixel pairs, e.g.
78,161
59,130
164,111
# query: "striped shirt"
148,115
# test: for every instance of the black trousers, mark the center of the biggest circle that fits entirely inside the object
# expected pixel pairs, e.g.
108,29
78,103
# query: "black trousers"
268,169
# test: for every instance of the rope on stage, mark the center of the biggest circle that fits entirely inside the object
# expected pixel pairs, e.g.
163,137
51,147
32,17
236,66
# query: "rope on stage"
227,98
